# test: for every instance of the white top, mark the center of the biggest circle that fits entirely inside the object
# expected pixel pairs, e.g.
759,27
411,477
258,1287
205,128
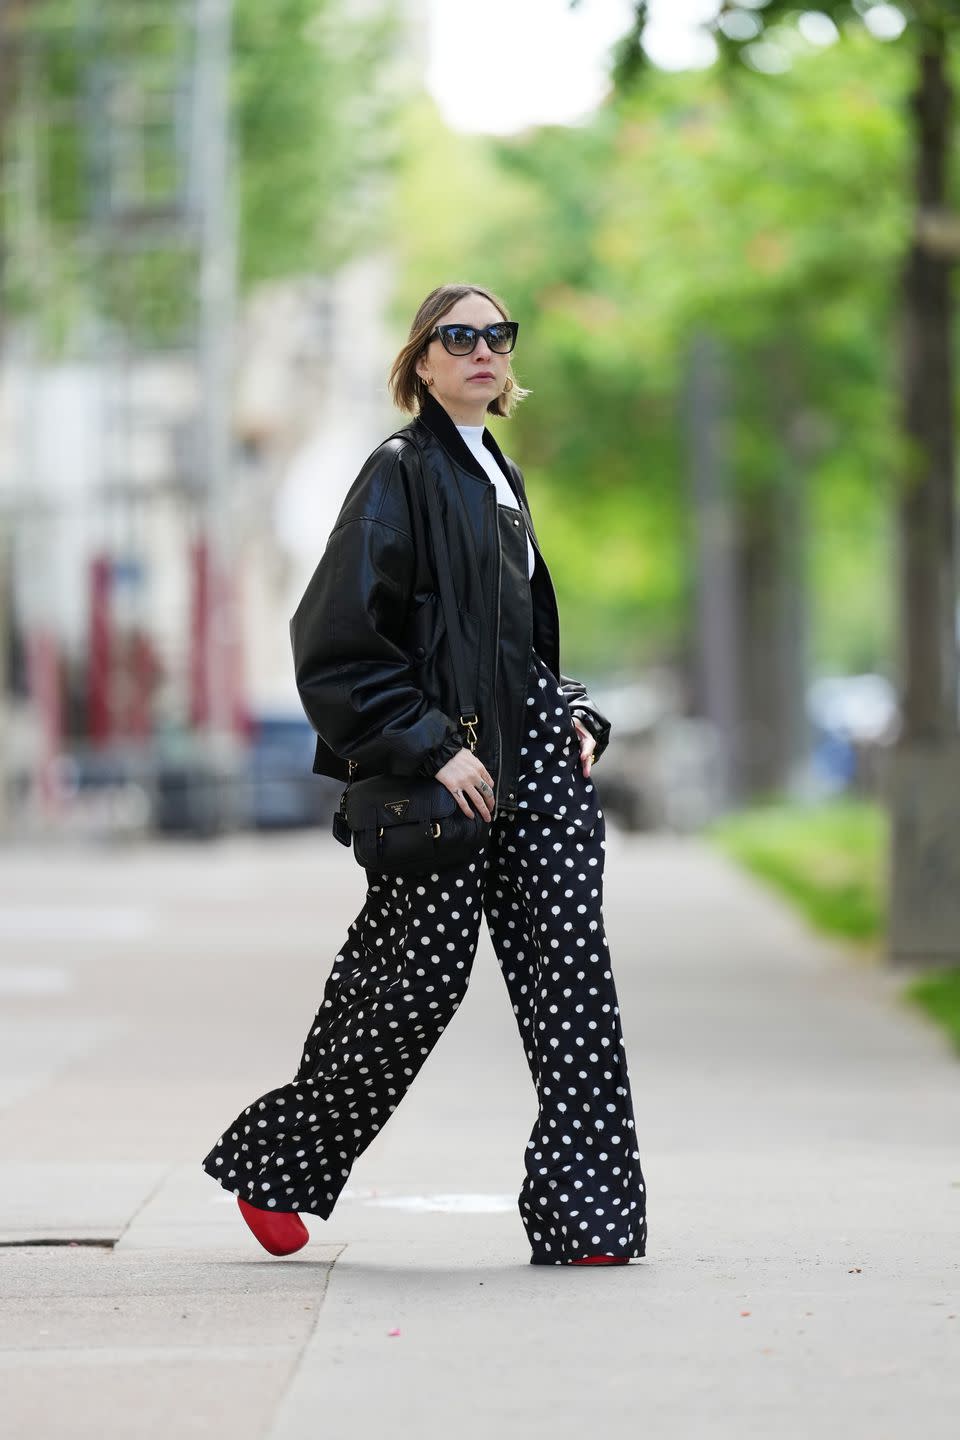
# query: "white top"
473,435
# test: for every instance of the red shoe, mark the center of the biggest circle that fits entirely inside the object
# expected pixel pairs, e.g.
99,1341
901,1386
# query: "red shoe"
279,1231
602,1260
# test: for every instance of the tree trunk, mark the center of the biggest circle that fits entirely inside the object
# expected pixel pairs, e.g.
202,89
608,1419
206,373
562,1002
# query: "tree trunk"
749,590
714,612
6,90
773,584
772,558
925,769
928,648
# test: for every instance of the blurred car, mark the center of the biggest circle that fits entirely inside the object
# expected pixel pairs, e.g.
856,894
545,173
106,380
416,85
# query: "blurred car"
198,785
853,719
283,792
659,767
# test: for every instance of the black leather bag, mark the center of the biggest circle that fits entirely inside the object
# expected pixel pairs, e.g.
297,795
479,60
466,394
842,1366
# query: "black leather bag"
408,825
411,824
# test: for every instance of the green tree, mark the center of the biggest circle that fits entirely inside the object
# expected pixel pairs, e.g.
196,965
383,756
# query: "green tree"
103,102
687,205
927,506
926,842
313,108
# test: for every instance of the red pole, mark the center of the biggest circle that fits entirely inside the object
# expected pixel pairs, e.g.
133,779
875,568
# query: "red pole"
145,670
43,678
199,682
233,619
99,698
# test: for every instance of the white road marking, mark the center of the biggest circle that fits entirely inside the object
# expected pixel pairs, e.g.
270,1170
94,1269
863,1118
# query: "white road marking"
74,922
33,980
458,1204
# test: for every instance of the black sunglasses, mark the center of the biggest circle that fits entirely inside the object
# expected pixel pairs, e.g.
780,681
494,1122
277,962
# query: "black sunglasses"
461,339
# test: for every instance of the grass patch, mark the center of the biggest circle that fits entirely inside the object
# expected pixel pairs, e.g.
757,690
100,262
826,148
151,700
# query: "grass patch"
829,859
938,993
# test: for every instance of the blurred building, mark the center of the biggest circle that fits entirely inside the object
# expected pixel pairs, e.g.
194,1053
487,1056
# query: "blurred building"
162,504
311,402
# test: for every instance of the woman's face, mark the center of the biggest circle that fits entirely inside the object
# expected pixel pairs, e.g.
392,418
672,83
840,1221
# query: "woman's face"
465,384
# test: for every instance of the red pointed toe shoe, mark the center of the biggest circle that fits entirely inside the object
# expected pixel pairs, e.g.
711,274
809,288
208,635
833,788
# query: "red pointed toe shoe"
279,1231
601,1260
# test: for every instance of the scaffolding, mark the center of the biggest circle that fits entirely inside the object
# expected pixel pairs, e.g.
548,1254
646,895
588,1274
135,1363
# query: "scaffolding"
117,258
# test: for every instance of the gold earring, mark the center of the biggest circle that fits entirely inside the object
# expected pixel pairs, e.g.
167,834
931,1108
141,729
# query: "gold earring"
507,384
430,381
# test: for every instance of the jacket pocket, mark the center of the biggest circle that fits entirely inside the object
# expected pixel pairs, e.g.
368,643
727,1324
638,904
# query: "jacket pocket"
430,653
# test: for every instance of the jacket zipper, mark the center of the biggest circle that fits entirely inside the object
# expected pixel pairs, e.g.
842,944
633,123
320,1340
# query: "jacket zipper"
496,651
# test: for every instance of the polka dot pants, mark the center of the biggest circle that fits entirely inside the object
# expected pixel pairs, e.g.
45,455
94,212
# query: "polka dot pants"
395,985
584,1191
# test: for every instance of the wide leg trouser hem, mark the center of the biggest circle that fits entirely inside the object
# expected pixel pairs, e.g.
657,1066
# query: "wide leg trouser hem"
637,1253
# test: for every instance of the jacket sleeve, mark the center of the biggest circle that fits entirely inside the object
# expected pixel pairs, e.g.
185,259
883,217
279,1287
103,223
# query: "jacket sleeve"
586,711
353,675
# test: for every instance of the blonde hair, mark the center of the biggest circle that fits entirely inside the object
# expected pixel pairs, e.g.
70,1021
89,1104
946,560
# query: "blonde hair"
406,387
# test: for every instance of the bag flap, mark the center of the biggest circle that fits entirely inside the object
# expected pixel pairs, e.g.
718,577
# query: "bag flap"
396,800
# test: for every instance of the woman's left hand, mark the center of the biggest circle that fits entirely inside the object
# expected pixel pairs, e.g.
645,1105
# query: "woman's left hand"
587,745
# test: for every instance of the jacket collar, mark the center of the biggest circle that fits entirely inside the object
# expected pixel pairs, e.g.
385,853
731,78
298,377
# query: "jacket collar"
437,420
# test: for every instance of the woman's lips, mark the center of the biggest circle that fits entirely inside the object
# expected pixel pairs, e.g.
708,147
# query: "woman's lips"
485,376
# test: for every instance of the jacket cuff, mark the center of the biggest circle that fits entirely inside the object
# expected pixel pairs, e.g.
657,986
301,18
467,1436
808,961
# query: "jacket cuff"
580,704
436,758
598,725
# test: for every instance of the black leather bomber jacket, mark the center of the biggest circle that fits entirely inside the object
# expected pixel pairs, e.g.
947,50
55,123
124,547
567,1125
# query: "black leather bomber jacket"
372,668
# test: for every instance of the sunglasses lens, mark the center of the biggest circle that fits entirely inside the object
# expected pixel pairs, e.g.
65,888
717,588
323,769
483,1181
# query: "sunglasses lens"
500,338
460,339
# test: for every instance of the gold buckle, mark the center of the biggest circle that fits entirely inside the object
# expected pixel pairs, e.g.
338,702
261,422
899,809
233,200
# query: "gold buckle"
436,829
470,722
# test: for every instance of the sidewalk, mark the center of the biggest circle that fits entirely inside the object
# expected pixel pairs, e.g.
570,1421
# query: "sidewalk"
799,1132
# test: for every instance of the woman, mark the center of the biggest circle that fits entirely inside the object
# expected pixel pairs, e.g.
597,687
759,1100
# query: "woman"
376,680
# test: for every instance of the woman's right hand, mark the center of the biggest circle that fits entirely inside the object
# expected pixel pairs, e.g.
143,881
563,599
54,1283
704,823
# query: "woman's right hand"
466,773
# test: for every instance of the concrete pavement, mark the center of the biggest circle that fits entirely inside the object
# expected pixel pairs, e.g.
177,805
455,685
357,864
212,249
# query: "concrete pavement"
799,1132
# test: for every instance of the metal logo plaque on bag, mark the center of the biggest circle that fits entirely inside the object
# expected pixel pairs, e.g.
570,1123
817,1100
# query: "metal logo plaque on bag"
397,807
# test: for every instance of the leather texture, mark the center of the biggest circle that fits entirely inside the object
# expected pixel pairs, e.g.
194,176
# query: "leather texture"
408,825
372,667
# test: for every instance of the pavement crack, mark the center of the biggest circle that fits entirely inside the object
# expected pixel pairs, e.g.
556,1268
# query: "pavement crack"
308,1337
41,1242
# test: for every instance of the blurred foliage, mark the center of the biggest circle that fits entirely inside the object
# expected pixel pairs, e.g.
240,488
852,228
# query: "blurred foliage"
97,206
314,102
938,995
764,33
830,859
771,217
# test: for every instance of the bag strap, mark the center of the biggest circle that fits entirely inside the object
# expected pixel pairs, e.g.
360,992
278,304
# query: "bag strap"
461,671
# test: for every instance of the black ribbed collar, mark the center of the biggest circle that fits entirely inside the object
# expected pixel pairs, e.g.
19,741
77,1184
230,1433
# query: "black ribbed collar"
438,421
